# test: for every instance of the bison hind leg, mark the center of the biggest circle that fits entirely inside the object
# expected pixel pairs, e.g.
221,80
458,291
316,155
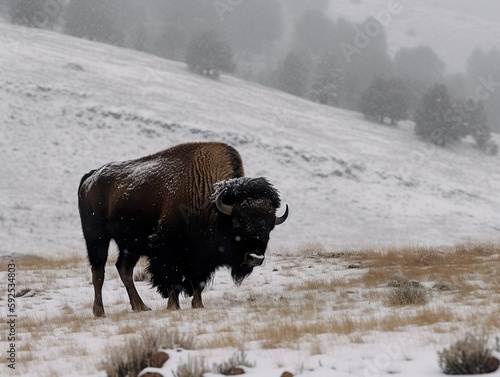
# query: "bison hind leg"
97,248
125,266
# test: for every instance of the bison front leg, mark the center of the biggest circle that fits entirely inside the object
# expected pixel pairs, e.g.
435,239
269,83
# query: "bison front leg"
197,289
197,303
173,300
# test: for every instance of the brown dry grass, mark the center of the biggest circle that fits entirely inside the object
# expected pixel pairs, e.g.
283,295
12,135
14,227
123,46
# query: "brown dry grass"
455,265
36,262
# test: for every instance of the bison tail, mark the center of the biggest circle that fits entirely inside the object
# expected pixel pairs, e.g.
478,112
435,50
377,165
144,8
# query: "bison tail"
84,178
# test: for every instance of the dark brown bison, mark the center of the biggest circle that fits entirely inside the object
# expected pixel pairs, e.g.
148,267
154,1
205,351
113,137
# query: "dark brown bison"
188,209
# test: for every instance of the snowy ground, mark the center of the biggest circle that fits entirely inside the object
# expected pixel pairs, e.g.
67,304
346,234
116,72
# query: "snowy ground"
311,312
68,106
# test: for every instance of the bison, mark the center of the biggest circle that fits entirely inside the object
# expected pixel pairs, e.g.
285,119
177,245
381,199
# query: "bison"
188,209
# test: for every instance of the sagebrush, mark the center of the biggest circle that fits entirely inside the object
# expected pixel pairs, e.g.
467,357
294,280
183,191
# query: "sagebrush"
408,293
470,355
131,358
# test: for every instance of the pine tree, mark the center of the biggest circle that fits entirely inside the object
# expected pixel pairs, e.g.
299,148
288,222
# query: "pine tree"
314,33
40,14
171,42
476,124
385,98
252,26
95,20
484,67
362,64
293,75
420,65
328,80
208,55
434,119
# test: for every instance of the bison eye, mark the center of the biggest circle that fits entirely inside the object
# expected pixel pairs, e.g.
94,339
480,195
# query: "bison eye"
236,224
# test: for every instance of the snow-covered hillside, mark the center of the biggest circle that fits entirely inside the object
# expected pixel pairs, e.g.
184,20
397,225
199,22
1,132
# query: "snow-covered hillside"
452,34
68,106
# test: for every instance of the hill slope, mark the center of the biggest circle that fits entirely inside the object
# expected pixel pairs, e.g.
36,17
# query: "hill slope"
68,106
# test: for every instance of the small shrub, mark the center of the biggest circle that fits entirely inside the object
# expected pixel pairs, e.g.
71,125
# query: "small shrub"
238,359
133,357
408,293
196,366
397,280
471,355
193,367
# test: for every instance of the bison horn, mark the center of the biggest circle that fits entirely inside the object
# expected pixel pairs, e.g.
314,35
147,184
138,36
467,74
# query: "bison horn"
224,208
282,219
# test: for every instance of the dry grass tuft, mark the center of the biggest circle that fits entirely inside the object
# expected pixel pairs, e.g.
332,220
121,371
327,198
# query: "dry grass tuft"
237,359
408,293
222,340
193,367
310,249
471,355
197,366
133,357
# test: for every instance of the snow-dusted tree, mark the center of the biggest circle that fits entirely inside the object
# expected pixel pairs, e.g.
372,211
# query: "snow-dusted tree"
420,65
96,20
475,122
328,80
171,42
364,57
41,14
314,33
208,55
483,72
385,98
174,23
435,118
292,75
251,26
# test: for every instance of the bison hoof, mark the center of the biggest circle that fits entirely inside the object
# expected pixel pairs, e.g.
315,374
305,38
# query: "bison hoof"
142,308
173,306
99,313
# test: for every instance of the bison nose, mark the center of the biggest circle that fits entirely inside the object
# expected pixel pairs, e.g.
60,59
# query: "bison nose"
253,259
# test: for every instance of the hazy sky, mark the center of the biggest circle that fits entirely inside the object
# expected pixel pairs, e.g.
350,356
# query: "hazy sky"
485,8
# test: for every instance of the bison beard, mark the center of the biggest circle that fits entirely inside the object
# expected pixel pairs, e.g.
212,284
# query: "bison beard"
188,209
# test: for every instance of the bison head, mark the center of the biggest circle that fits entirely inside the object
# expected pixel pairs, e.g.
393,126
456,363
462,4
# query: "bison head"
248,209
